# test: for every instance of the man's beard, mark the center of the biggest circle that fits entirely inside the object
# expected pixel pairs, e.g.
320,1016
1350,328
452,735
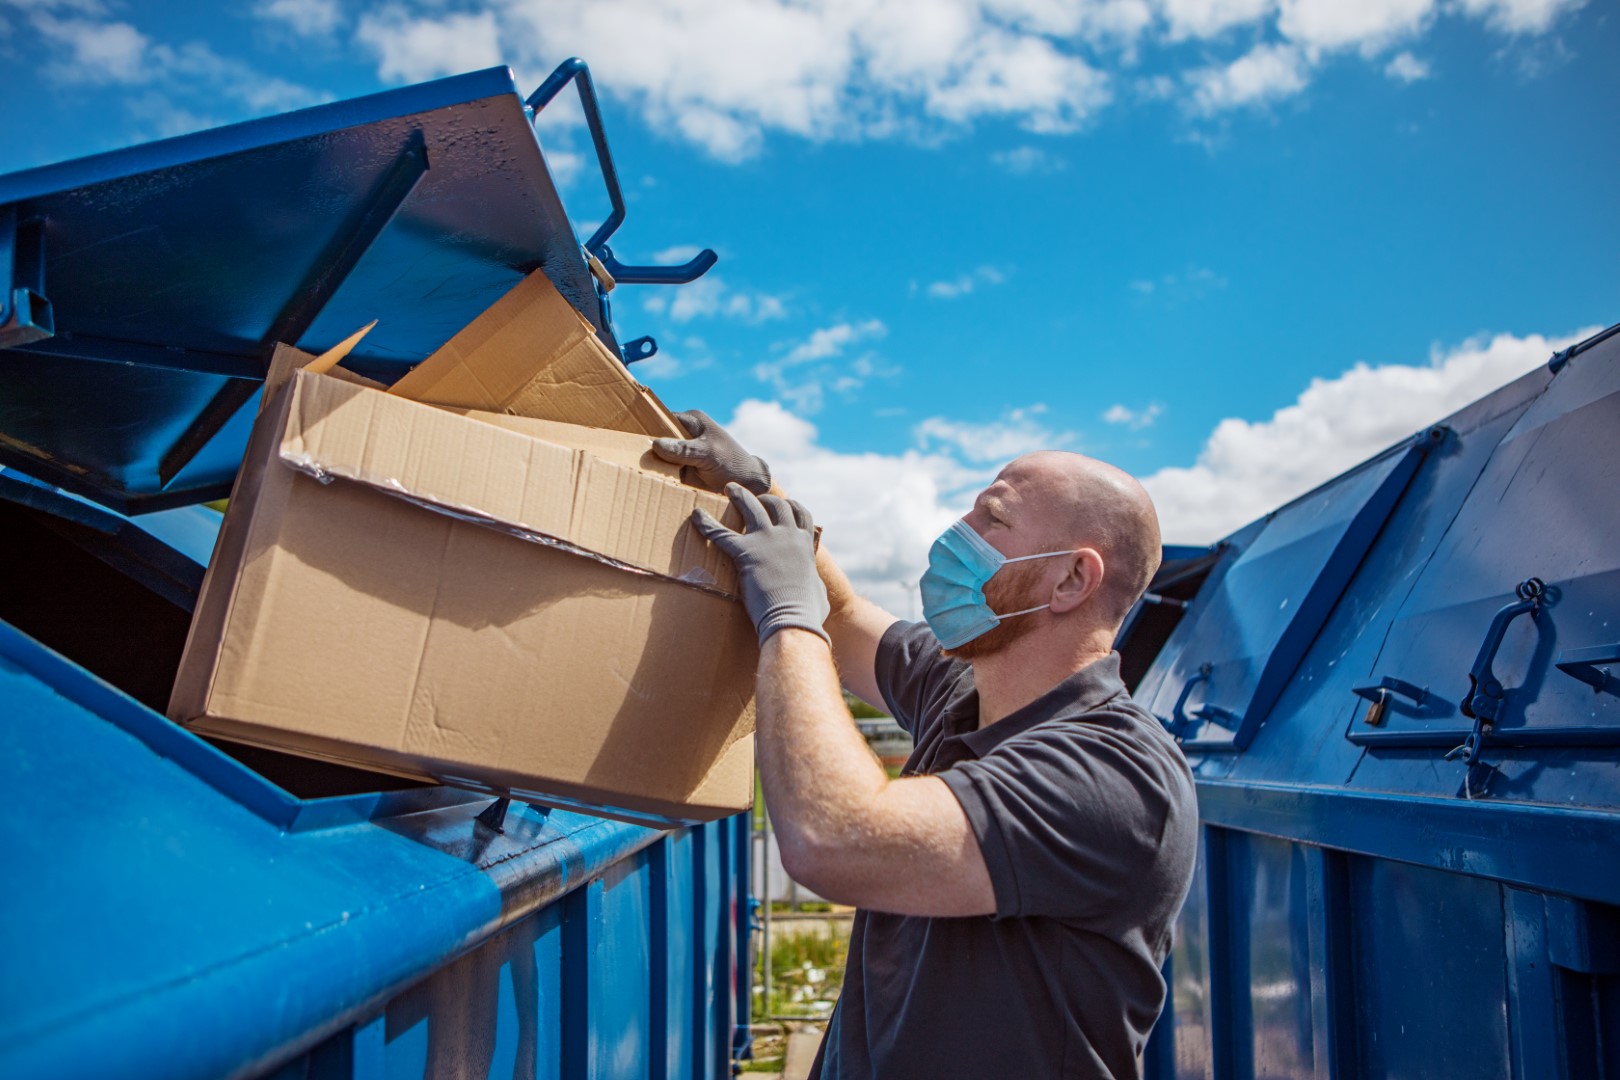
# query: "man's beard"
1012,589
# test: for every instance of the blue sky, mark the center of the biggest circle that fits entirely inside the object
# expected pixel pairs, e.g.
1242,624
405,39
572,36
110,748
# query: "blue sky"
1231,245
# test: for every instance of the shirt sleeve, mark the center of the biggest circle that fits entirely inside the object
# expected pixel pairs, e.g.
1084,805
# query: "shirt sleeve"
1074,820
912,675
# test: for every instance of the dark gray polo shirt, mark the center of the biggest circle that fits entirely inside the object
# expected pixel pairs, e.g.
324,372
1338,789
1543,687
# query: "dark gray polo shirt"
1084,808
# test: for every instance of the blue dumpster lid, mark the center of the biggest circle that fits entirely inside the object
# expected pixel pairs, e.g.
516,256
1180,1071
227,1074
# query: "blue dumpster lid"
171,270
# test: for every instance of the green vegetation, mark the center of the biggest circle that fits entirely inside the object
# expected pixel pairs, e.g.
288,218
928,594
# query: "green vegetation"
810,907
807,971
860,710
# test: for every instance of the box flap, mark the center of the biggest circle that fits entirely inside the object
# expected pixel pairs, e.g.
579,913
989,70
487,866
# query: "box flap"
538,490
530,353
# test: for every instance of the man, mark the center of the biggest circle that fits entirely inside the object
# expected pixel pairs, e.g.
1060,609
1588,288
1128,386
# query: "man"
1017,885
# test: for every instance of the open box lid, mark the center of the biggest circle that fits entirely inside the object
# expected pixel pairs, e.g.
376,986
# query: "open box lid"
145,289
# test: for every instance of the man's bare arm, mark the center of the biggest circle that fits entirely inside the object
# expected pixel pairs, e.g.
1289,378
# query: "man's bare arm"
846,830
856,625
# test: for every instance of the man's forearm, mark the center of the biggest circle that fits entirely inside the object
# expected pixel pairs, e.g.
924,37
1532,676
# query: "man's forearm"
841,594
856,625
820,778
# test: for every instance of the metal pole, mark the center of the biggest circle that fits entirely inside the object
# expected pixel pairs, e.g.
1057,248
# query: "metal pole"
765,887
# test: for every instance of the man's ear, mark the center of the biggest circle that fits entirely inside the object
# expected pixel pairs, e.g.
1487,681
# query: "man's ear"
1082,578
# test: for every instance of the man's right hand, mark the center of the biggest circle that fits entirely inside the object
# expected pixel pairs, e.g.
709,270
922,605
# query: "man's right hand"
711,457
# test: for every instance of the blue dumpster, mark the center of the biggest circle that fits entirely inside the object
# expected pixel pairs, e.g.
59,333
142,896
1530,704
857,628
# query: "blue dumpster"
1400,695
177,908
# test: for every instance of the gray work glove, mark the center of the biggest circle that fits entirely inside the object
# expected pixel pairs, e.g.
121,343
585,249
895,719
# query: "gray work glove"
776,561
711,457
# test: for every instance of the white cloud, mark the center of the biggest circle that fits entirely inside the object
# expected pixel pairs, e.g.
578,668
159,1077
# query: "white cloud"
1027,160
879,512
1194,283
98,52
1520,16
1407,68
309,18
966,283
1209,18
1018,431
710,297
1265,74
1247,468
833,340
565,165
413,48
86,49
723,73
1364,24
1135,419
805,374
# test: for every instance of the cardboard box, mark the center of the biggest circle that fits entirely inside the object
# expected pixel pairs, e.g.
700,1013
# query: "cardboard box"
497,601
531,354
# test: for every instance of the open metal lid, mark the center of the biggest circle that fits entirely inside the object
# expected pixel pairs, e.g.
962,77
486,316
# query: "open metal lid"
142,291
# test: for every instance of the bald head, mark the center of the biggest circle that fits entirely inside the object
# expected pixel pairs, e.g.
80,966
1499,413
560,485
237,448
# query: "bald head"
1074,501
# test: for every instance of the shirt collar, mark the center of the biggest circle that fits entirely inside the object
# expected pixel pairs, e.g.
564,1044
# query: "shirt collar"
1076,695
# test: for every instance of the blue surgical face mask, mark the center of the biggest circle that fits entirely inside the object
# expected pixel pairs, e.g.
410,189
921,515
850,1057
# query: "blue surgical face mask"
960,563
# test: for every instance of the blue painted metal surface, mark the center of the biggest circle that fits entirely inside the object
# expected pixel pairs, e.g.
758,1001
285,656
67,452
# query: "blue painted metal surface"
202,922
172,269
1370,901
175,908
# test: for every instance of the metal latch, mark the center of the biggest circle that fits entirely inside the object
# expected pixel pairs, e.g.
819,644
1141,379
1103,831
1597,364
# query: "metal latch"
1486,694
1587,666
1180,719
1378,694
25,313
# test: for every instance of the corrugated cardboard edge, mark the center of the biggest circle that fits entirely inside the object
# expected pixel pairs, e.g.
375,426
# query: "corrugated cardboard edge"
727,788
589,526
532,354
193,684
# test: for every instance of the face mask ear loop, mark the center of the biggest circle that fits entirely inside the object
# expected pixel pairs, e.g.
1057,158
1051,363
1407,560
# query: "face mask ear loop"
1026,611
1042,555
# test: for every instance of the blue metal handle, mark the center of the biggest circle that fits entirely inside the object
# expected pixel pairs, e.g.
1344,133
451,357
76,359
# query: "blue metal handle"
1180,719
574,70
1486,695
1485,692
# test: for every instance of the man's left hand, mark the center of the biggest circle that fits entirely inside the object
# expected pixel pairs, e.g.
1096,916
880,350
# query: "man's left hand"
776,561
